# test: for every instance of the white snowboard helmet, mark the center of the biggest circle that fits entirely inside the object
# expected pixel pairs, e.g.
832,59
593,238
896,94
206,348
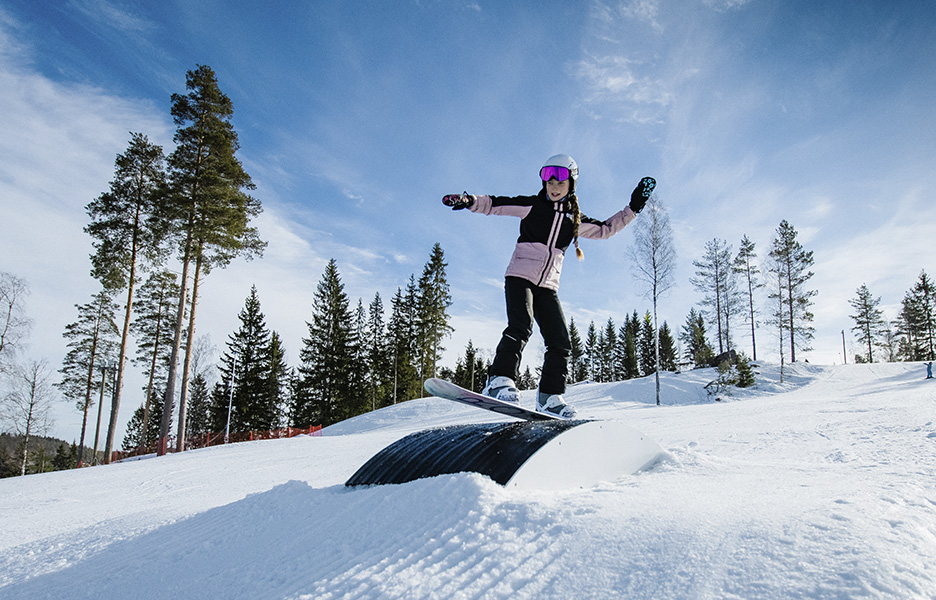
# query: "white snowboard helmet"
565,161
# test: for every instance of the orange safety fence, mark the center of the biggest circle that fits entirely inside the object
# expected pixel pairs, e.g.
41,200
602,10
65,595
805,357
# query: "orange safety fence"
205,440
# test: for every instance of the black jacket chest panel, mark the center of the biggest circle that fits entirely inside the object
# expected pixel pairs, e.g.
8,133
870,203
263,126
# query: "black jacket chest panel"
540,225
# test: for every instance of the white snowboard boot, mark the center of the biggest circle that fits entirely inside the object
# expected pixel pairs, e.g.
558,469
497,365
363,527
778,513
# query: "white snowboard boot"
502,388
554,405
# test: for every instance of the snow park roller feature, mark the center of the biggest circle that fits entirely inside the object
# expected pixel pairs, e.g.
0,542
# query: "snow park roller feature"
537,455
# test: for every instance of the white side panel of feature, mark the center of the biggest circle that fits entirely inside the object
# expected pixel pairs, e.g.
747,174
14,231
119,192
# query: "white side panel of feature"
586,455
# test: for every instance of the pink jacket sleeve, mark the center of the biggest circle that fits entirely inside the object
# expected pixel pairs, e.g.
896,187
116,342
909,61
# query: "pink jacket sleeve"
602,230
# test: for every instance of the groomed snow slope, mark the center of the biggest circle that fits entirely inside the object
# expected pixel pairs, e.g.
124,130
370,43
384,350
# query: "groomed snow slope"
820,487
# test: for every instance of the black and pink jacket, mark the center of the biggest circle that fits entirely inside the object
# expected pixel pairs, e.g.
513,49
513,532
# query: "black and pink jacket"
545,233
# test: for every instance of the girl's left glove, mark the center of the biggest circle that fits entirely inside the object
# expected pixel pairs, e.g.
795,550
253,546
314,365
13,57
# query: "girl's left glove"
458,201
641,193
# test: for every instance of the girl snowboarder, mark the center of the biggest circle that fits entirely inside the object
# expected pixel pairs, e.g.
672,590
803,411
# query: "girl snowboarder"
549,222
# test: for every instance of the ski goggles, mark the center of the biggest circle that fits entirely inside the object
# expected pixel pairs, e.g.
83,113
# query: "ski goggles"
560,173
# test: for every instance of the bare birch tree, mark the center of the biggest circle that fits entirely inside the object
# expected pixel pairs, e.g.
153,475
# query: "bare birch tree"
27,405
654,258
14,324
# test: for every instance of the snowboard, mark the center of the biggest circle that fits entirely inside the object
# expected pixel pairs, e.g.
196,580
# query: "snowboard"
450,391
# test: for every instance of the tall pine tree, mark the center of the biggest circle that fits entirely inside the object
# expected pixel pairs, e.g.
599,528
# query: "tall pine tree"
715,279
128,224
92,344
745,265
790,264
212,211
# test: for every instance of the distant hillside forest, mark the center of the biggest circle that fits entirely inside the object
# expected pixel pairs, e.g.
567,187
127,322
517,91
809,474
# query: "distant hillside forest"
45,454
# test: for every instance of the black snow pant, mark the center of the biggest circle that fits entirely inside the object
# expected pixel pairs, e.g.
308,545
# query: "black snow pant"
526,302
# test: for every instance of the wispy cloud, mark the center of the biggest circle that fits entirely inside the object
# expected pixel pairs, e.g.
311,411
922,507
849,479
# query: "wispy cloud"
107,14
612,80
722,5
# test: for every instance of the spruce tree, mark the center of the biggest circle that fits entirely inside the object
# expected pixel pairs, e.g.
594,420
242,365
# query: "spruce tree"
199,411
869,320
918,320
65,457
137,435
601,357
470,371
790,264
326,355
745,377
693,336
357,401
609,345
527,380
647,346
254,405
592,350
667,349
402,331
433,301
631,339
276,383
578,370
212,211
378,357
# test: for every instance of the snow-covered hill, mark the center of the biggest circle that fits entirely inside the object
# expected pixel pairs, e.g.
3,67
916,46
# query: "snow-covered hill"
821,487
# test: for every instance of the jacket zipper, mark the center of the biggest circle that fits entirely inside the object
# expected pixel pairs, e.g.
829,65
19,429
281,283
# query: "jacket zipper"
551,241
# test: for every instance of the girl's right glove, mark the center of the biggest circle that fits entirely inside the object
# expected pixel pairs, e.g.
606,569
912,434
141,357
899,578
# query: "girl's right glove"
641,193
458,201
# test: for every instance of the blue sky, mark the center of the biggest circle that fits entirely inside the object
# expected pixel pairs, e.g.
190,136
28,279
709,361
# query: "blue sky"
356,117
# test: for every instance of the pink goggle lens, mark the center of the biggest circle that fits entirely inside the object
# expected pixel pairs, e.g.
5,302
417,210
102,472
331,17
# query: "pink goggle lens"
560,173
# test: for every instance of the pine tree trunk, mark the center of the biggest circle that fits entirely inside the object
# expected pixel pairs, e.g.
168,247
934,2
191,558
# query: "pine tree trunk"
87,402
187,366
144,439
121,361
169,397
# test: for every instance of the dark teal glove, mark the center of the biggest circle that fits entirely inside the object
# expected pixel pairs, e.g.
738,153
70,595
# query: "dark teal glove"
641,193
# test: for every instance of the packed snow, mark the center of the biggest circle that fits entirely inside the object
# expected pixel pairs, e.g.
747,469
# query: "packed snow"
822,486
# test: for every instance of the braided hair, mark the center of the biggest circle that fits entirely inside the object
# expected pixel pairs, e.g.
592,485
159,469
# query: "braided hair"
572,207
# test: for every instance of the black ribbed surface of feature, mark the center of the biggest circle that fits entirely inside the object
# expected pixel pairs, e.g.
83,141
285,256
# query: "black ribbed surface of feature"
497,450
